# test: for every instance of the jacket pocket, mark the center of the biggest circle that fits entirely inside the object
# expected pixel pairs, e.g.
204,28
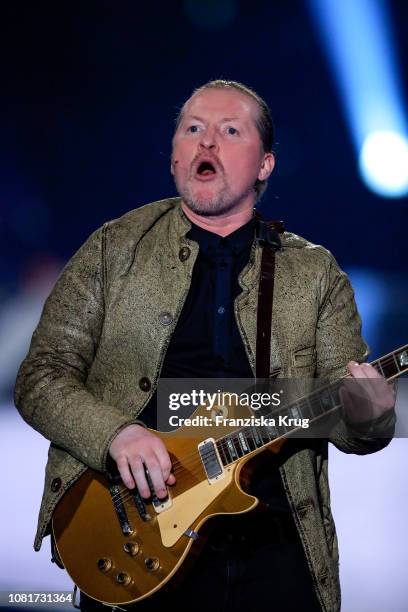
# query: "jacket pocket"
304,357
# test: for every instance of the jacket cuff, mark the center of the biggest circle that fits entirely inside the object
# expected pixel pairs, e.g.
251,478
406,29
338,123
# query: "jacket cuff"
109,464
381,427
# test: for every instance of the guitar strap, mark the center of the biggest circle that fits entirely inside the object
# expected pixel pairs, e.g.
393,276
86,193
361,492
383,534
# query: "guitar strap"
267,235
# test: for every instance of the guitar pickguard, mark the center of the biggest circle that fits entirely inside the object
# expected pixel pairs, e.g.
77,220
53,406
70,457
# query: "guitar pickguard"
187,507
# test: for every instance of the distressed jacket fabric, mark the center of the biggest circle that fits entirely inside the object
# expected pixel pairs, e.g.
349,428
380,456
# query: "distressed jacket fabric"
96,355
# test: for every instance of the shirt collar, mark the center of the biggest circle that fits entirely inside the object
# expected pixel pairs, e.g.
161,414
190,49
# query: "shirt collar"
237,241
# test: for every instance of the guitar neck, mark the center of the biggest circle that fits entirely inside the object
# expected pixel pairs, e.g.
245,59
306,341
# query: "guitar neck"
394,364
324,400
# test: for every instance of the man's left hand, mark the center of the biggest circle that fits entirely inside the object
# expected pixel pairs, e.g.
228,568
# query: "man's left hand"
366,395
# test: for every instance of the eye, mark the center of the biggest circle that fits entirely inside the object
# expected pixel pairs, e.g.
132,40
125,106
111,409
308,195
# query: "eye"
232,131
193,129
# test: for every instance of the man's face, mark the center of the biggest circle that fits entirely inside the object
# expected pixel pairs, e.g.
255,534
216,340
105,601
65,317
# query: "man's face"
217,152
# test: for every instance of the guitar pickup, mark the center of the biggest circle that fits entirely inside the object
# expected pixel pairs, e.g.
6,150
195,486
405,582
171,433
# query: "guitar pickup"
211,460
116,495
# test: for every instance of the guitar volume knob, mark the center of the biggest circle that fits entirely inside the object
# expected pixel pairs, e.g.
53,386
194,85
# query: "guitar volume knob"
132,548
152,563
123,578
104,564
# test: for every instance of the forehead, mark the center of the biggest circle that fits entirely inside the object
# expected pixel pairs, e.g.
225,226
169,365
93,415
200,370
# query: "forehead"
220,104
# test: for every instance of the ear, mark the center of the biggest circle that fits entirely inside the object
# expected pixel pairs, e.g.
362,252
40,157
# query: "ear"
267,166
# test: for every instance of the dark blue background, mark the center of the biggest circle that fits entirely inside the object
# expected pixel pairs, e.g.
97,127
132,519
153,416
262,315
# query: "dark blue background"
90,91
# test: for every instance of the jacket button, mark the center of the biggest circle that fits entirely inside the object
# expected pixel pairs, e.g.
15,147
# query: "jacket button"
184,253
145,384
56,485
165,318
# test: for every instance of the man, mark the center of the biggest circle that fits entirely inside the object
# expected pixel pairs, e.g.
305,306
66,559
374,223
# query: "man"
152,294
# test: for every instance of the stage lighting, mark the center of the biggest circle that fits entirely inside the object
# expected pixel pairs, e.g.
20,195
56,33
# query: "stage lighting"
357,38
384,163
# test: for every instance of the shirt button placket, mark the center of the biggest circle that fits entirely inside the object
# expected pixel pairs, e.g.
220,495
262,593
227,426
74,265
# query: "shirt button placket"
224,263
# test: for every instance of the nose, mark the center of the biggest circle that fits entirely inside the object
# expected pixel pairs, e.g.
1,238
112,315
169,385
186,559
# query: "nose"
208,139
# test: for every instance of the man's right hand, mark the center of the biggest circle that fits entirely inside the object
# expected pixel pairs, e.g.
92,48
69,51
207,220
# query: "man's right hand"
134,446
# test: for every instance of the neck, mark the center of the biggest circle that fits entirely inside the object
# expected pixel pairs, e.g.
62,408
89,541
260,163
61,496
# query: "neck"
223,224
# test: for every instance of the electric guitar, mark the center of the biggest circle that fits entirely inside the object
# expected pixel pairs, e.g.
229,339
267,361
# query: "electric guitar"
119,548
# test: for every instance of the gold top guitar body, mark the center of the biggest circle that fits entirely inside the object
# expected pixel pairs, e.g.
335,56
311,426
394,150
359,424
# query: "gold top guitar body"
120,549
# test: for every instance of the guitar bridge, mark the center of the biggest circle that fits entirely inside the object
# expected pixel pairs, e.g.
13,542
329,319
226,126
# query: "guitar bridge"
140,505
159,505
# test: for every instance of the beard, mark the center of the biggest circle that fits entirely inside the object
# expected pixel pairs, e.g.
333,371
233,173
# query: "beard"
212,205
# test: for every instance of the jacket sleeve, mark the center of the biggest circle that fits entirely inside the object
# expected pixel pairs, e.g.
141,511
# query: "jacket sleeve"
338,341
50,392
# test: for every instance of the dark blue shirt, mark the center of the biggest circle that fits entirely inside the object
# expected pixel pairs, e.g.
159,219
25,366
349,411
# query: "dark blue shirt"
206,342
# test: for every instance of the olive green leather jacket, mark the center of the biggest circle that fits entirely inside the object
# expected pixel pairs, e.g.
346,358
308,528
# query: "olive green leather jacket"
96,355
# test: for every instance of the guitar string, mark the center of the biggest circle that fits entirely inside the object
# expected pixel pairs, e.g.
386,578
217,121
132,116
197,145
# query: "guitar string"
195,460
198,468
301,403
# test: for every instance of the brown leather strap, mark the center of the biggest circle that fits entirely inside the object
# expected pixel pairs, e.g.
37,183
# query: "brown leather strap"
265,298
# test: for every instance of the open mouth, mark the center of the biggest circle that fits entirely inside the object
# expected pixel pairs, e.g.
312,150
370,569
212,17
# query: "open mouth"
206,168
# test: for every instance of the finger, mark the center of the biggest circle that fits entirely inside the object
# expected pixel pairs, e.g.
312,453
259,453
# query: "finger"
347,400
124,471
156,475
164,460
374,389
356,370
370,371
171,480
138,472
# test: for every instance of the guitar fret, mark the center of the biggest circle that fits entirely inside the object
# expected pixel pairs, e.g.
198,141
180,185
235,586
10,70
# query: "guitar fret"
310,408
237,446
257,437
326,400
249,437
316,406
221,450
379,367
396,362
282,429
272,431
387,368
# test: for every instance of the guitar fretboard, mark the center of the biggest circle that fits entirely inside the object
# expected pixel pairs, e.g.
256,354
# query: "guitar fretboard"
312,407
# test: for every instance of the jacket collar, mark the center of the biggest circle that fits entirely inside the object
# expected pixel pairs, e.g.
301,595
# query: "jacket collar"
266,232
